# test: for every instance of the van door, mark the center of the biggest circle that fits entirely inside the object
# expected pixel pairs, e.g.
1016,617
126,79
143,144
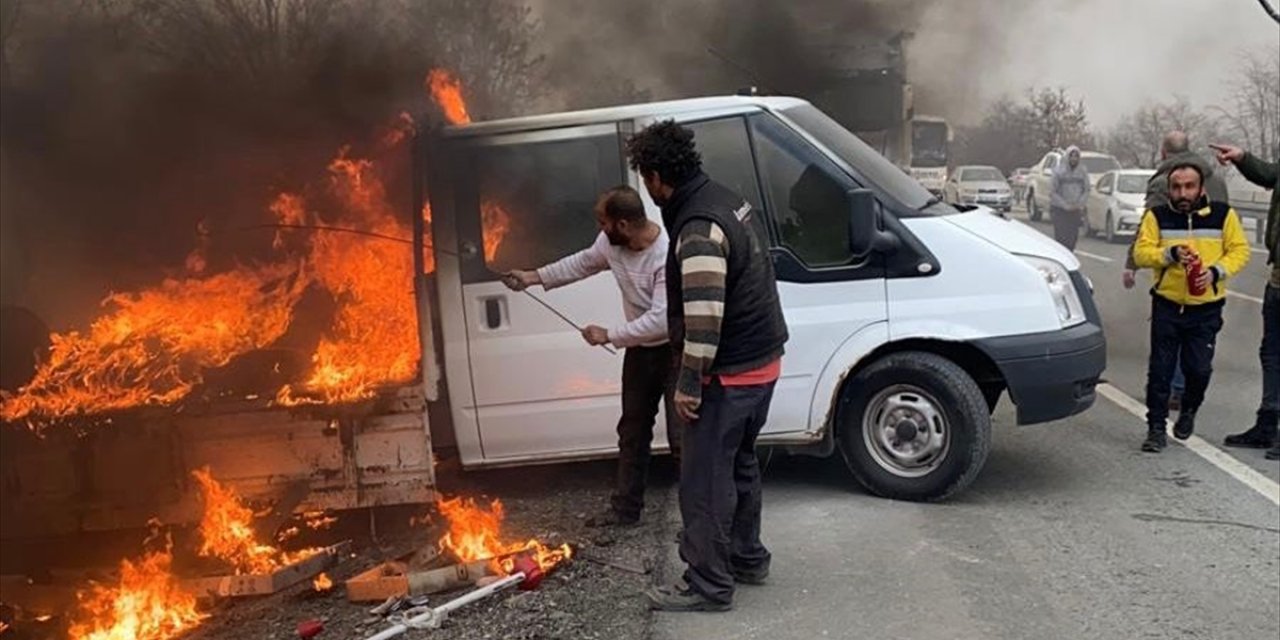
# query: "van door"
827,296
537,390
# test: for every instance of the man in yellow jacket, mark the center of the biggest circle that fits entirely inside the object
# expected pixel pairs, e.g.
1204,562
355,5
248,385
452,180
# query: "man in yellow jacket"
1186,311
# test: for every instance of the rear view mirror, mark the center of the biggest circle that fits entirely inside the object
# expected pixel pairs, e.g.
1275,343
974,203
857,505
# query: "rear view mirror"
865,235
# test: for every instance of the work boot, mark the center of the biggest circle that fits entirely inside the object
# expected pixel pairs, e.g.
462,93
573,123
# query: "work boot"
1185,426
682,597
1156,441
1274,452
611,518
1260,436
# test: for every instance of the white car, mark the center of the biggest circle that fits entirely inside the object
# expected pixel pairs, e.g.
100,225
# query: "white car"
1116,203
978,184
1042,176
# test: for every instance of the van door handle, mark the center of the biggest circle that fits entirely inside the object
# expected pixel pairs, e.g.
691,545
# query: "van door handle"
493,313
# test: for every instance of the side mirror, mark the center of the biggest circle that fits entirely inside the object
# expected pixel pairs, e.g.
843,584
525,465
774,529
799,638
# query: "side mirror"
865,235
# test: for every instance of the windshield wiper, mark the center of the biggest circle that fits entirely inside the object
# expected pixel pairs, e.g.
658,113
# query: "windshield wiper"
930,202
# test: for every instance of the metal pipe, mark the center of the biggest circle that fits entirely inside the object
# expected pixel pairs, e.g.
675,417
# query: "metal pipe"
433,617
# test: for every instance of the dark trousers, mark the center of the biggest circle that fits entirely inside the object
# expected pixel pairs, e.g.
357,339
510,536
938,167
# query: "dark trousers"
1269,354
720,489
1066,226
1189,332
645,374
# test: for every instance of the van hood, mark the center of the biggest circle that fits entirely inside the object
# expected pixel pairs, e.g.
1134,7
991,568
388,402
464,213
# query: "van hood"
1013,236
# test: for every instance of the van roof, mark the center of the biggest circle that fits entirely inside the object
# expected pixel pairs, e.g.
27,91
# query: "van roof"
672,108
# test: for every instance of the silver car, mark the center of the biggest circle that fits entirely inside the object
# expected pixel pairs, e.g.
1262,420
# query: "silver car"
978,184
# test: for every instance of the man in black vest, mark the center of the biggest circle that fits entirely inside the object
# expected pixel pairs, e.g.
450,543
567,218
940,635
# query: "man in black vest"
728,332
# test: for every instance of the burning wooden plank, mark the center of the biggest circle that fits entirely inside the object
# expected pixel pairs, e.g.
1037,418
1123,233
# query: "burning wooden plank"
257,584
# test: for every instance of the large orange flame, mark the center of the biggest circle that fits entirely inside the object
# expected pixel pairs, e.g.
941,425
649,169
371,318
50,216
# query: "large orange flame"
226,531
146,604
152,347
475,533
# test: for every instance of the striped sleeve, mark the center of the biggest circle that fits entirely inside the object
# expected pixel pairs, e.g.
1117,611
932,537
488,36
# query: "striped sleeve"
703,254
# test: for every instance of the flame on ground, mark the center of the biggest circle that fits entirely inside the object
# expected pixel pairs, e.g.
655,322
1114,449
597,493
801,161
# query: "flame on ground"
322,582
152,347
475,533
226,532
146,604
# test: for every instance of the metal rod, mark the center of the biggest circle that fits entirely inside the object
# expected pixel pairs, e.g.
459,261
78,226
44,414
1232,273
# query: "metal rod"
563,317
433,617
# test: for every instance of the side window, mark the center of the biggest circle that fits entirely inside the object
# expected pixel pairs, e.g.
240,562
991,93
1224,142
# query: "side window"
1104,185
531,197
1050,162
805,192
726,158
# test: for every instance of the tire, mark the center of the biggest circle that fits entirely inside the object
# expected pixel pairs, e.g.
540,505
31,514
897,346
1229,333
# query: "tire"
920,389
1089,231
1034,208
1111,229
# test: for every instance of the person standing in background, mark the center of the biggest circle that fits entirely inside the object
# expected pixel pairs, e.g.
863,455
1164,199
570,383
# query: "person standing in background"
1068,192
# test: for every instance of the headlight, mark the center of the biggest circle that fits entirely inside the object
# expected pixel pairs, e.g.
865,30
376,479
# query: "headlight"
1063,291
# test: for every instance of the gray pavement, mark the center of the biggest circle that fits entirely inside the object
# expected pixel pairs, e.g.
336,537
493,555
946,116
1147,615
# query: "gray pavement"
1069,532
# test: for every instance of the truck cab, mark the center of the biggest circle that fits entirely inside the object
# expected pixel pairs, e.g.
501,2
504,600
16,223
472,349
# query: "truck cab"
909,319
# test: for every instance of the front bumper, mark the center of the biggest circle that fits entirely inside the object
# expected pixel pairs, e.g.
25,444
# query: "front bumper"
1053,375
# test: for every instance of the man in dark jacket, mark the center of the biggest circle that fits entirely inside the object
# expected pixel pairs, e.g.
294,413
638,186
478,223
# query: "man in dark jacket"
1264,432
727,328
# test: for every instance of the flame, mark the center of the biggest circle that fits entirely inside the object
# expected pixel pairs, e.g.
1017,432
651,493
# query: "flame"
446,90
152,347
475,533
146,604
322,582
226,531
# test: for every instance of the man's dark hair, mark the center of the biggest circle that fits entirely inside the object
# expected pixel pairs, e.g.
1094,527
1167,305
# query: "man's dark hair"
623,203
667,149
1186,165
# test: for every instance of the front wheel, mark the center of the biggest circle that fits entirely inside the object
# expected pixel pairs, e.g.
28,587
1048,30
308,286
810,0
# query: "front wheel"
1111,229
914,426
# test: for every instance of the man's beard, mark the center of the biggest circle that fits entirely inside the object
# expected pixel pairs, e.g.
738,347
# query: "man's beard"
1184,204
617,239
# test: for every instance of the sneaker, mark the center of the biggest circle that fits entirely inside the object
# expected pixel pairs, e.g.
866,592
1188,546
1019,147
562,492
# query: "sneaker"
1259,437
1185,426
1156,442
611,518
754,578
682,597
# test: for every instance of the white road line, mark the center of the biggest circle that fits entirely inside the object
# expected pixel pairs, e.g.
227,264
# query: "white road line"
1261,252
1242,296
1094,256
1217,457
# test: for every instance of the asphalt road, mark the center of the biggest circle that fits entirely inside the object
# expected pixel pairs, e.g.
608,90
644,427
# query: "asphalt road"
1070,532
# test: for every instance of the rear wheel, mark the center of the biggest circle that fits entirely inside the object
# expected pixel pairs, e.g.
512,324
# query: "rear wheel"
1111,229
914,426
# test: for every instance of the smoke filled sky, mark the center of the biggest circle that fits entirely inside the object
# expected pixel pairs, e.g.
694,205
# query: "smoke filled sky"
1113,54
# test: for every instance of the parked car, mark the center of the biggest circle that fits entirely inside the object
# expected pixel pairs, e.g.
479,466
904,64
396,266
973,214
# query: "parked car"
1018,181
1042,174
901,341
978,184
1116,203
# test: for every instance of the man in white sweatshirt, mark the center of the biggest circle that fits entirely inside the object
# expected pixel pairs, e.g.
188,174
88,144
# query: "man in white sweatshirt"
635,250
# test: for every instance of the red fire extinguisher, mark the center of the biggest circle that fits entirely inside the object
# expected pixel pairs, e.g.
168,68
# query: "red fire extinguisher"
1195,269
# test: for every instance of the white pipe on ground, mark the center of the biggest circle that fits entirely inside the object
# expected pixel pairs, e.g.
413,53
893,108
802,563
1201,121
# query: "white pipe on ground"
437,615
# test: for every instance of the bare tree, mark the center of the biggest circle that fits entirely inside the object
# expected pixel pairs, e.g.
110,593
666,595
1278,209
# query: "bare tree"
1255,94
1136,138
1016,133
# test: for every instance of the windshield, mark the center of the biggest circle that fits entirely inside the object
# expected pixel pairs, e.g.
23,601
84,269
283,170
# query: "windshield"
981,174
862,158
1132,184
928,144
1099,164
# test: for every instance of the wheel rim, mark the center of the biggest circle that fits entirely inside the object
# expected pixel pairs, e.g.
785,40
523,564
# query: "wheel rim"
905,431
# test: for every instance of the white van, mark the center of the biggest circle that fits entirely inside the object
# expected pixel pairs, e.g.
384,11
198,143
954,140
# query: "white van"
908,317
